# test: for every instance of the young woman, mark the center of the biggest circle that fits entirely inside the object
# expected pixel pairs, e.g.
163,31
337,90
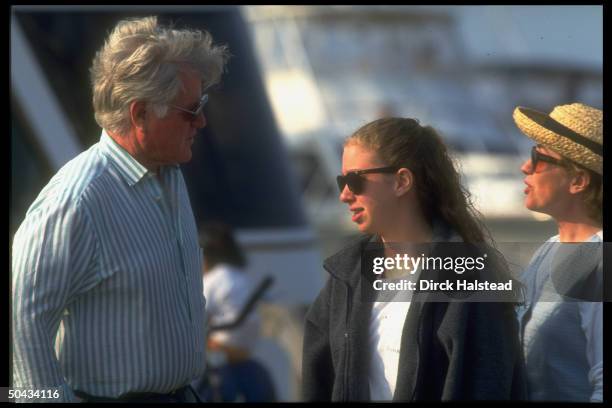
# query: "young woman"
401,186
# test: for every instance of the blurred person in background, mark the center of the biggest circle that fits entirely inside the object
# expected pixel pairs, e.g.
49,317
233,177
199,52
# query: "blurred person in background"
227,289
563,340
110,245
401,186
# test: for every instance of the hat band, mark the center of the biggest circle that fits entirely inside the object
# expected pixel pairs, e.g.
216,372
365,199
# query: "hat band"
566,132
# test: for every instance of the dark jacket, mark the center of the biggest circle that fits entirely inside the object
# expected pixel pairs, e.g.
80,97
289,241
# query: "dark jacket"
449,350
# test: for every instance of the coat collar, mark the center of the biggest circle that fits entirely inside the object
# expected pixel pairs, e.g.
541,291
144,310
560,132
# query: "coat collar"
345,265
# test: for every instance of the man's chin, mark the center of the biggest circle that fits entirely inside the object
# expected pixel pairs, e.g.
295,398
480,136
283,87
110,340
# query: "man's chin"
186,157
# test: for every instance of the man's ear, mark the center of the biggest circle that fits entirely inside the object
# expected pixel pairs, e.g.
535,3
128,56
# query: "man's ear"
138,111
580,181
404,180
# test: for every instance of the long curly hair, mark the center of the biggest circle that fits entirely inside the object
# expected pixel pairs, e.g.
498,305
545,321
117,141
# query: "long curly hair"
403,142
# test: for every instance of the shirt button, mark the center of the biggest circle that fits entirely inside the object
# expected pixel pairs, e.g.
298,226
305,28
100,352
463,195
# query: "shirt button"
157,198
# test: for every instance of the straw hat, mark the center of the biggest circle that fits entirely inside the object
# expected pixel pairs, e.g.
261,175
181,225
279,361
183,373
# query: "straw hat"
574,131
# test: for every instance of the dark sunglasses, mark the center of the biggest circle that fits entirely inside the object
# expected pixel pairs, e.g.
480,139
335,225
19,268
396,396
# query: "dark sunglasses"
540,157
355,182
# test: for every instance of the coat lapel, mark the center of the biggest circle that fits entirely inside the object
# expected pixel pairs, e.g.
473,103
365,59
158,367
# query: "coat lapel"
359,350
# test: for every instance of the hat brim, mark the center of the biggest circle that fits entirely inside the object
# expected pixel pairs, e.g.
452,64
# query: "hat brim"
548,132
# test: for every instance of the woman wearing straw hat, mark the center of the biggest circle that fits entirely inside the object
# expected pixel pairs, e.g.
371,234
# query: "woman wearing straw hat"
401,186
563,340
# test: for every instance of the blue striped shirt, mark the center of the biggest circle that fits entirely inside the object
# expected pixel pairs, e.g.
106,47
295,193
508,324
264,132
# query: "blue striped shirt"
113,254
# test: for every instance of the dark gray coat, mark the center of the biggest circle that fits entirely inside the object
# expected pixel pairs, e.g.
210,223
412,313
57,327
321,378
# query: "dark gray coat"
449,350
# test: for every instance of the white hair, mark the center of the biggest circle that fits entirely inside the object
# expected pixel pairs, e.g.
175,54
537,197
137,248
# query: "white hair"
141,60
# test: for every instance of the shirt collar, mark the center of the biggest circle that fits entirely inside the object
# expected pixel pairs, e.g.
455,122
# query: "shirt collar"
126,164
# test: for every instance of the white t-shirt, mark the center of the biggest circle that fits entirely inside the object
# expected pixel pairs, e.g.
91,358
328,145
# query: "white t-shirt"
227,289
386,326
385,336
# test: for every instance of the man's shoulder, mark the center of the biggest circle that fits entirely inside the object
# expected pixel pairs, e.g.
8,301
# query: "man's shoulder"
72,180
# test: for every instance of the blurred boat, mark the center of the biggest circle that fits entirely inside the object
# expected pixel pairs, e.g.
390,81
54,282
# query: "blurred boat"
330,69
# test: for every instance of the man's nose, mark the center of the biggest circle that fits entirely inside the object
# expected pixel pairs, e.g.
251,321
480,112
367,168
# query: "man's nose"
199,121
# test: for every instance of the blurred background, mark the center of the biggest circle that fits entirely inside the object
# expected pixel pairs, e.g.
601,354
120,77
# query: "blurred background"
301,79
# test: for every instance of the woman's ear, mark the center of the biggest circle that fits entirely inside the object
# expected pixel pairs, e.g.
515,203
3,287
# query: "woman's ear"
404,180
580,181
138,110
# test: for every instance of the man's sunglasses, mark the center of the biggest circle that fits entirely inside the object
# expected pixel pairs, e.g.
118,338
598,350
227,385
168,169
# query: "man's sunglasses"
355,182
194,114
537,157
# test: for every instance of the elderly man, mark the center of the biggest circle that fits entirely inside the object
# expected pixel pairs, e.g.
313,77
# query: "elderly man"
110,245
562,326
